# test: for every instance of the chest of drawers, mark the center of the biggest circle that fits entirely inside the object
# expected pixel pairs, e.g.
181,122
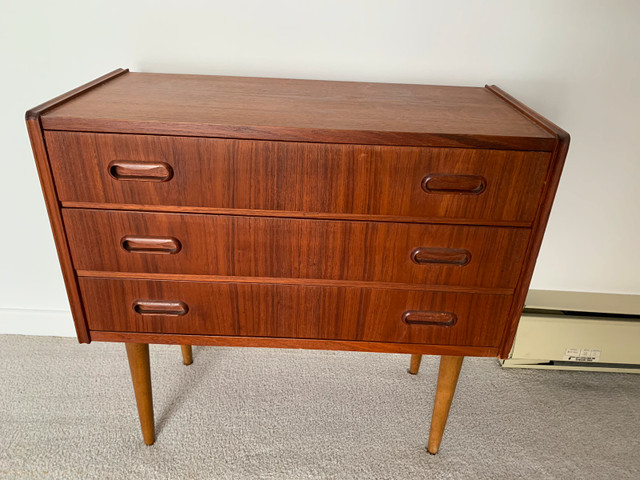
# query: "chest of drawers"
302,214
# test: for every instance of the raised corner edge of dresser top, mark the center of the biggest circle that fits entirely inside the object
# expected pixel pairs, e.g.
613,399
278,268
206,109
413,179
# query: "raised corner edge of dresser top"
36,112
562,136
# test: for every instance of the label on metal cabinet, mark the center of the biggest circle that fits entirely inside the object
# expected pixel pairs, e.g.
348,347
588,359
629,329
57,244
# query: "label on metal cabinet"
581,355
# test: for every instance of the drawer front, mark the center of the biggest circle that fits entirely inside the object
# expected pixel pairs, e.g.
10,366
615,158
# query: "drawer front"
290,311
421,183
241,246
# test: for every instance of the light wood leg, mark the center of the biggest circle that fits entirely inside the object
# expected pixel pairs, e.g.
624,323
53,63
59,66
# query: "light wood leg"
138,354
416,358
447,381
187,354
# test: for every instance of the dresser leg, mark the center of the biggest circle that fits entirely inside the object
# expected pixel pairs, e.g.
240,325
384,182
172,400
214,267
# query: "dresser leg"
447,380
416,358
138,354
187,354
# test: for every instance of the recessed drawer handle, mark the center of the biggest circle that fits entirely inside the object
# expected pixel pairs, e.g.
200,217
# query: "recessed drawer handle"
141,171
160,307
165,245
439,319
439,183
445,256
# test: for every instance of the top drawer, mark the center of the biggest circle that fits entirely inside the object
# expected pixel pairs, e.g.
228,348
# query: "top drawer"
467,185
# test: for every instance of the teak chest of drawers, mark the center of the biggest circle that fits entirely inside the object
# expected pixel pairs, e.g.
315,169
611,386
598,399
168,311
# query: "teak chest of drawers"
211,210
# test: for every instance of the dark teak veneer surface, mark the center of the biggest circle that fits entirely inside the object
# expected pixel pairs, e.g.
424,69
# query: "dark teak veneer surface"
300,110
227,245
299,178
295,311
237,211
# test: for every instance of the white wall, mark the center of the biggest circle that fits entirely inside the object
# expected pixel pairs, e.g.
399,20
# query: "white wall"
576,62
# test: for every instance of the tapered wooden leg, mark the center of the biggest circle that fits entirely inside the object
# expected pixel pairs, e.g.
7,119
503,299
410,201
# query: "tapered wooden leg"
138,354
187,354
447,381
416,358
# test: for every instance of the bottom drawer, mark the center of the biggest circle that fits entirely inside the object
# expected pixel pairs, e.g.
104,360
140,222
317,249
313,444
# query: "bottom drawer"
294,311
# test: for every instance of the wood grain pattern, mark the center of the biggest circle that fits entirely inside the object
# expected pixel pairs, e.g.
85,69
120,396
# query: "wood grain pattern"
551,183
342,179
294,248
57,227
262,310
302,343
36,136
300,110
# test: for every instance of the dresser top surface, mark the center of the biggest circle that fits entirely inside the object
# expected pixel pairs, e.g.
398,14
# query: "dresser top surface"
299,110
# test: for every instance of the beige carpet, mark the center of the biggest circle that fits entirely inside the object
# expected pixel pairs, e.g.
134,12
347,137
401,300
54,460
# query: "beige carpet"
67,411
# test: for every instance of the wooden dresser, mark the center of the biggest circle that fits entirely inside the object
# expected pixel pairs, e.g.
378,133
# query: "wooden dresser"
236,211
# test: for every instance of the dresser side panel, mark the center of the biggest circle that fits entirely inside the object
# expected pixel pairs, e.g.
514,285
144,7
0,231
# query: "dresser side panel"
558,157
39,146
57,226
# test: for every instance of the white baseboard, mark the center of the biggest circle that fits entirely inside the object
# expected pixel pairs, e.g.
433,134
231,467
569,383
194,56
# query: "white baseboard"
53,323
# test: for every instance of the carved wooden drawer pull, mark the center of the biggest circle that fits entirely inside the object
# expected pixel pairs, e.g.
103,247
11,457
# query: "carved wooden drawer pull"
441,183
163,245
160,307
439,319
445,256
141,171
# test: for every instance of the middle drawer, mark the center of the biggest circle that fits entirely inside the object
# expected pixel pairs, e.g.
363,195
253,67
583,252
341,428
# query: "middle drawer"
242,246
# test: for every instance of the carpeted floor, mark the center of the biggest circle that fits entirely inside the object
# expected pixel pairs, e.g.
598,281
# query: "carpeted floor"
67,411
